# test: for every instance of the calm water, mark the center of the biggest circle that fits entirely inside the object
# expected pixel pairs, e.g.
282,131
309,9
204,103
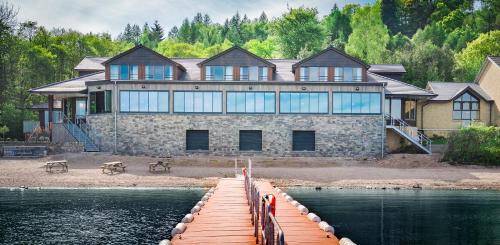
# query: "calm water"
92,216
407,217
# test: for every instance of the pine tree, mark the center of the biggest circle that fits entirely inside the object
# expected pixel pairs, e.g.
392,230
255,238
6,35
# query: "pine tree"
263,17
206,20
157,31
172,34
184,34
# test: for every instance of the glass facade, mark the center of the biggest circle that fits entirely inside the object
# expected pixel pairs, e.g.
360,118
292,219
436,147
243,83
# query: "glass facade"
203,102
143,101
218,73
356,103
251,102
314,73
158,72
348,74
303,102
114,70
466,107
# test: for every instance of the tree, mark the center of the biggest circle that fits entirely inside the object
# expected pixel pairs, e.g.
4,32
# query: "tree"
433,33
470,59
389,13
172,34
3,130
298,29
184,34
265,49
369,37
337,26
157,31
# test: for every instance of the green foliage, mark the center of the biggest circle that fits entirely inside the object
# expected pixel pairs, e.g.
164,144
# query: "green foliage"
298,29
369,38
264,49
471,58
475,144
337,27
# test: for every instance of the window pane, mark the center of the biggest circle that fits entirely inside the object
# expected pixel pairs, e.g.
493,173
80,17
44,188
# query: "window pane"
228,75
387,106
123,72
365,103
231,102
253,73
143,101
134,72
124,101
323,73
240,102
346,103
189,102
465,114
153,101
244,73
218,73
179,101
217,102
163,101
158,72
270,102
134,101
323,103
304,102
250,102
114,70
339,74
348,74
313,73
295,102
208,73
475,106
259,102
357,77
375,100
107,101
465,106
456,106
207,102
168,72
356,102
457,115
285,102
314,102
198,101
304,73
149,72
466,97
337,102
263,73
474,115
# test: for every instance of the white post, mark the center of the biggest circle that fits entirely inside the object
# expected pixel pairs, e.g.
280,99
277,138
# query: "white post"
249,168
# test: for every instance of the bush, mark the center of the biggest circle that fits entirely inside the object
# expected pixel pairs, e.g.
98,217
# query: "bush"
475,144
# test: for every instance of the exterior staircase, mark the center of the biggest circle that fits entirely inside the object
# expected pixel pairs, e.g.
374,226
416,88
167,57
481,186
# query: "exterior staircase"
409,133
81,134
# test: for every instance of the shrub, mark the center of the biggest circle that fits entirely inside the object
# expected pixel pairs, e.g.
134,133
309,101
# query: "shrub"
475,144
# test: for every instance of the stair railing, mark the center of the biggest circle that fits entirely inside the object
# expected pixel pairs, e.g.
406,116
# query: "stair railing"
89,131
408,130
74,128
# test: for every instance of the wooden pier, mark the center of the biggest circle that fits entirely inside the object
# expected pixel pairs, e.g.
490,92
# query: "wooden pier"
226,219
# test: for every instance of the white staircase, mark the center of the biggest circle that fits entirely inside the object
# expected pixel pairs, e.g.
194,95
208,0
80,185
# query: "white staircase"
410,133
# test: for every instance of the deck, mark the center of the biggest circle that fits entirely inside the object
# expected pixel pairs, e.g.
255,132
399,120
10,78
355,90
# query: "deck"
225,219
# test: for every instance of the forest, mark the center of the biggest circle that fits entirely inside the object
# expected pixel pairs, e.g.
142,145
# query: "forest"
435,40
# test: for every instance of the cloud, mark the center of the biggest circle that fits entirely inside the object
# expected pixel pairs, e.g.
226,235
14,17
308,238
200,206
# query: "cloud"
112,15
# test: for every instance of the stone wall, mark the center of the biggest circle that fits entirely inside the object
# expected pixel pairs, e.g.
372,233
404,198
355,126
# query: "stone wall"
156,134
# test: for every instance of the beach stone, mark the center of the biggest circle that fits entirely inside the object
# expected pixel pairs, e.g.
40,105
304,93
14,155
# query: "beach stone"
313,217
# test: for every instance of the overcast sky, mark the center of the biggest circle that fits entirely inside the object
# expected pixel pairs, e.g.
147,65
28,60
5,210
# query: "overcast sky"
112,15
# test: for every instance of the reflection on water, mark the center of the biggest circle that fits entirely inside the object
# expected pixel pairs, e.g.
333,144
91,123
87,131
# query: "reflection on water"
92,216
407,216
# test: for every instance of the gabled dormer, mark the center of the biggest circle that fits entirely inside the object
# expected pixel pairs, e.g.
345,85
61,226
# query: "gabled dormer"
236,64
330,65
142,63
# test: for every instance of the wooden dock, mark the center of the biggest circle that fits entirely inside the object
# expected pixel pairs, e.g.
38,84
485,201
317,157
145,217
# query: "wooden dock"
226,219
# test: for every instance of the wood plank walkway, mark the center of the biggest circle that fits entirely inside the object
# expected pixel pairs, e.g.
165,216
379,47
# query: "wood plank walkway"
225,219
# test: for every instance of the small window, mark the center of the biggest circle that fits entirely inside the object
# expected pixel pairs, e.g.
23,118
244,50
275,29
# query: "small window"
263,73
100,102
134,72
304,73
114,71
244,73
123,72
304,141
348,74
149,72
250,140
339,74
168,72
197,140
218,73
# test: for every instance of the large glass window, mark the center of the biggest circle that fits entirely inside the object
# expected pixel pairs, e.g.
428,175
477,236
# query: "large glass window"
410,109
218,73
466,107
303,102
251,102
123,72
263,73
158,72
81,107
143,101
203,102
100,102
114,70
348,74
356,103
314,73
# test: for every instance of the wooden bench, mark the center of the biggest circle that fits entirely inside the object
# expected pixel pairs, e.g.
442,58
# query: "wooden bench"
112,167
161,164
52,164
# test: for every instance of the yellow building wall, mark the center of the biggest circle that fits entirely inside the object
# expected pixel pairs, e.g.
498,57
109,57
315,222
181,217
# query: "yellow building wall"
490,83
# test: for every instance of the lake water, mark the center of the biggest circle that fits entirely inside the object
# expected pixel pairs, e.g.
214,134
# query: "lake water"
92,216
407,216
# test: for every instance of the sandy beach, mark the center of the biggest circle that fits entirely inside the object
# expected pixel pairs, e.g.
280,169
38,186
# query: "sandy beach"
394,171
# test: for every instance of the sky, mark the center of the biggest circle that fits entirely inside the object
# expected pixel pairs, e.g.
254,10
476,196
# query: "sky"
111,16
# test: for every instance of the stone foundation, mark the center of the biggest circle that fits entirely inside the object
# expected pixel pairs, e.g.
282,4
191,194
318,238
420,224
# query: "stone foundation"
156,134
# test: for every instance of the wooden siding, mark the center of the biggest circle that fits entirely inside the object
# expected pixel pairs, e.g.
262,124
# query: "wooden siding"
202,73
297,73
331,58
106,75
270,73
142,72
236,73
236,57
331,73
141,56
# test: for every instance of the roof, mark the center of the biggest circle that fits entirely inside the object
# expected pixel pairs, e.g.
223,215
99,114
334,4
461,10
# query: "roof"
489,59
236,48
74,85
387,68
91,64
334,50
45,106
450,90
140,46
395,87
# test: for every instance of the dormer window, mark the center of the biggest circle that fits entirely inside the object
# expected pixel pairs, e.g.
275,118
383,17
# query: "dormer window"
253,73
158,72
124,72
314,73
466,107
114,71
348,74
219,73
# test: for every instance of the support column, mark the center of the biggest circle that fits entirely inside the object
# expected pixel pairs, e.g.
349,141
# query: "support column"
51,115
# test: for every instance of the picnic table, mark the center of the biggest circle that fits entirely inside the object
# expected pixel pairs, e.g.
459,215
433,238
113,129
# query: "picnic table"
60,163
112,167
165,164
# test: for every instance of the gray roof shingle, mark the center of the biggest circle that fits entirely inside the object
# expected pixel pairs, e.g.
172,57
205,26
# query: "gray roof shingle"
449,90
387,68
91,64
495,59
395,87
74,85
